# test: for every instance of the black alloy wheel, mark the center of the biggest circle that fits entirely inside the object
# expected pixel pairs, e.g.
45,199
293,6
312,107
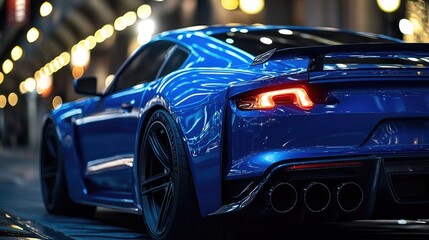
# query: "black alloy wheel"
159,174
166,185
170,206
49,166
52,178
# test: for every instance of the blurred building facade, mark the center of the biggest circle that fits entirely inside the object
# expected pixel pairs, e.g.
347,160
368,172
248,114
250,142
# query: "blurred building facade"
44,45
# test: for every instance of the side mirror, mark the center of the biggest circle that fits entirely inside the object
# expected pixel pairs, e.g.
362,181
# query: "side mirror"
86,85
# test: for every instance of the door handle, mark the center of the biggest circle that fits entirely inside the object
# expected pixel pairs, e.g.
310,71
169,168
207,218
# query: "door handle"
127,106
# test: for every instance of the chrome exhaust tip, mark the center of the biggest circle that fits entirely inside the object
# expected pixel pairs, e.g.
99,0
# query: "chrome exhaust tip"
283,197
317,197
349,196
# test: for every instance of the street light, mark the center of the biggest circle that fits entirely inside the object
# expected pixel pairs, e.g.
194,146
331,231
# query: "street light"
252,6
389,6
45,9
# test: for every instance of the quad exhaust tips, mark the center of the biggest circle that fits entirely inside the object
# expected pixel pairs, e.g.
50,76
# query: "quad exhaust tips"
283,197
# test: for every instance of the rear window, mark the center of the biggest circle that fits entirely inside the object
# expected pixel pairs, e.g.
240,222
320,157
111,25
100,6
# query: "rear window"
257,42
375,60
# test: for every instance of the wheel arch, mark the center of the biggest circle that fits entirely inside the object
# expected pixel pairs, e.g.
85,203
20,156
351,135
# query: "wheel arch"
139,140
207,189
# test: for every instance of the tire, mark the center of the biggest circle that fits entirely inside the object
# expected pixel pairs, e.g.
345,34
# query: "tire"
53,181
170,208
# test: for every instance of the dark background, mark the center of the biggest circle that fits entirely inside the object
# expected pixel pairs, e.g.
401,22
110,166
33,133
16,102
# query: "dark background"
41,79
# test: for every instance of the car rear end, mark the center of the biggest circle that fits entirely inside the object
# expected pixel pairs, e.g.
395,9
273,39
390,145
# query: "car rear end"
347,139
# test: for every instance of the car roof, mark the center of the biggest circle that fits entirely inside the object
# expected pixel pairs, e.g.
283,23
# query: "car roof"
219,29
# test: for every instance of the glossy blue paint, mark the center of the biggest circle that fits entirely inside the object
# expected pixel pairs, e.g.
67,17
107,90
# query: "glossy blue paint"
367,110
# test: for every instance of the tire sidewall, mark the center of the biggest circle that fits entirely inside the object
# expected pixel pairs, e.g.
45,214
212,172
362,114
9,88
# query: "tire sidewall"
48,135
180,164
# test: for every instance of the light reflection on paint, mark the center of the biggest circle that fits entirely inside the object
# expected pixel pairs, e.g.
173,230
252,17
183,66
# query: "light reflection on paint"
109,163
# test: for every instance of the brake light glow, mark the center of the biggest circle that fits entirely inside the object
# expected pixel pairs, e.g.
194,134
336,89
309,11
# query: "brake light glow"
323,165
268,100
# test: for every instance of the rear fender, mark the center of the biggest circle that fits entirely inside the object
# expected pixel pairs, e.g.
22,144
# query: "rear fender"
198,108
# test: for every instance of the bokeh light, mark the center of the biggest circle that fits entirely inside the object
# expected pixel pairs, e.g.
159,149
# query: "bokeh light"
3,101
12,99
7,66
16,53
144,11
57,102
32,34
389,6
252,6
406,26
230,4
45,9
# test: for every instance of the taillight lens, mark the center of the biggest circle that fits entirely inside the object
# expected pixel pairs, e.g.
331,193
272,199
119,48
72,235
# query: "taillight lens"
297,96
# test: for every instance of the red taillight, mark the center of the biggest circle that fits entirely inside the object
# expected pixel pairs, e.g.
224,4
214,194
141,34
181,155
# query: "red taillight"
323,165
268,100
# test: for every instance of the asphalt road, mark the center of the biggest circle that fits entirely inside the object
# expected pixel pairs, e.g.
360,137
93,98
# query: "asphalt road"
22,216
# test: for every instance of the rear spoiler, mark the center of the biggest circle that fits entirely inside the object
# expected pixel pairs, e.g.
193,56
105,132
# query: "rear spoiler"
317,53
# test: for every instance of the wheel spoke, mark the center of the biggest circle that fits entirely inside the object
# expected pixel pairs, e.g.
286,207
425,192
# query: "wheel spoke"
149,186
159,150
49,194
49,172
165,207
52,150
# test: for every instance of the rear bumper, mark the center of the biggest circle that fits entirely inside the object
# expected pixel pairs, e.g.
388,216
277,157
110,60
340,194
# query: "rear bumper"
338,189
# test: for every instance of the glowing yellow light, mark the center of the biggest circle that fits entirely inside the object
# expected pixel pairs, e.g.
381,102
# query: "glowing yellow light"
45,9
64,58
230,4
37,75
57,102
99,36
130,18
52,67
3,101
46,70
90,42
56,63
80,56
16,53
145,30
389,5
12,99
252,6
146,27
144,11
143,39
7,66
77,72
22,88
32,35
107,31
30,84
44,85
109,79
1,77
119,24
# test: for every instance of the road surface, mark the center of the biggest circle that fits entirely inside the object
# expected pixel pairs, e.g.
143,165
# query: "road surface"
22,215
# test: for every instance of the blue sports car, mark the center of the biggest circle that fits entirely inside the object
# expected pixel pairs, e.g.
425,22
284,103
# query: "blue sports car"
205,127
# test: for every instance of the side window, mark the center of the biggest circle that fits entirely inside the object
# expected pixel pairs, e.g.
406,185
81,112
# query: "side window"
177,56
144,66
